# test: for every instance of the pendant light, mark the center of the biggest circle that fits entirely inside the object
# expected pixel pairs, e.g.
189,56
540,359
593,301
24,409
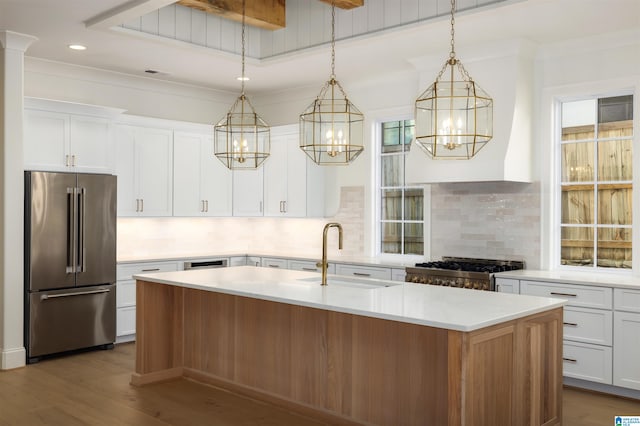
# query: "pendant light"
242,140
331,128
454,116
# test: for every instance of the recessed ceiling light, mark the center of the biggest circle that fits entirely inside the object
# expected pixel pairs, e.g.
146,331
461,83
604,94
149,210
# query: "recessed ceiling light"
77,47
245,78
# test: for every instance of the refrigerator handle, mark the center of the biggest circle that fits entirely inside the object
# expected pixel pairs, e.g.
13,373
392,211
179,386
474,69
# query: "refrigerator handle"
81,231
71,258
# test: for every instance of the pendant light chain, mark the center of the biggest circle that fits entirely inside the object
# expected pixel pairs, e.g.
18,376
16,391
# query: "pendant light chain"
452,54
333,39
242,78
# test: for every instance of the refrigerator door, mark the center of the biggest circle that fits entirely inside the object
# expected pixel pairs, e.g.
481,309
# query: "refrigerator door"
63,320
49,230
96,260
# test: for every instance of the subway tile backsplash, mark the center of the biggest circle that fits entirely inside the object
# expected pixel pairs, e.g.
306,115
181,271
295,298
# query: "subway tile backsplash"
497,220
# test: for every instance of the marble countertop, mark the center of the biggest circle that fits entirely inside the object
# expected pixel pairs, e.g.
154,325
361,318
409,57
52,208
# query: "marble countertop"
574,277
434,306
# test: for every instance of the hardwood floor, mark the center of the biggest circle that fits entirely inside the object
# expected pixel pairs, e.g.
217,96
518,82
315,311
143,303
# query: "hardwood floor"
93,389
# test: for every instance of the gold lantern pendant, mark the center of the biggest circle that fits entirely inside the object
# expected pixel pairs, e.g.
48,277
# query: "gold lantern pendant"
454,116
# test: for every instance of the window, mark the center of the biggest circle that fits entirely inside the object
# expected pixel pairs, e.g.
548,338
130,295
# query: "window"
401,206
596,187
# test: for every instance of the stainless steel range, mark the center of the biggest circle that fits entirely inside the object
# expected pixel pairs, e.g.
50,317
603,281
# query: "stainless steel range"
461,272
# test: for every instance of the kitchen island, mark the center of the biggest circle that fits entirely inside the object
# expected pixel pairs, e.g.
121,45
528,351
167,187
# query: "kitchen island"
406,354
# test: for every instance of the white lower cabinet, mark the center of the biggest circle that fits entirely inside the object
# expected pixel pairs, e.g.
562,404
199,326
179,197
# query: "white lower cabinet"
309,266
626,337
507,285
274,262
588,327
587,362
398,274
126,294
363,271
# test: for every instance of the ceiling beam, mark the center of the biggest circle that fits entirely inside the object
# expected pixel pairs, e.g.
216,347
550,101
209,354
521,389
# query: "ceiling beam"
346,4
267,14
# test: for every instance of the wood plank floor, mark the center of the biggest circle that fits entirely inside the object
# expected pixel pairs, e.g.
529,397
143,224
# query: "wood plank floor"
93,389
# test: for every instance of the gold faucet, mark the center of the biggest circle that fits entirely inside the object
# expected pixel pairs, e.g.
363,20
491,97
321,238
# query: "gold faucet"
324,264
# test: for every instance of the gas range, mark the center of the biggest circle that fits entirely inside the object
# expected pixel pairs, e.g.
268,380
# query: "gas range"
461,272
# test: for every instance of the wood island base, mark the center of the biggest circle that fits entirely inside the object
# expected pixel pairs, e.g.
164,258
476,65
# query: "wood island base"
350,369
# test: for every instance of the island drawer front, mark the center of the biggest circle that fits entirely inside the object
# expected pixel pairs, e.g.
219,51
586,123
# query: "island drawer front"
626,300
363,271
125,293
588,325
127,271
576,295
309,266
274,262
587,362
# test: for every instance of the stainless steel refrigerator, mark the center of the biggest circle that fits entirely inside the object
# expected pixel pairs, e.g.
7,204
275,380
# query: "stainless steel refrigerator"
70,262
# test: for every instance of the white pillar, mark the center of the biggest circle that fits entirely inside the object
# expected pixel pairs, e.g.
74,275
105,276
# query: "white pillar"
12,48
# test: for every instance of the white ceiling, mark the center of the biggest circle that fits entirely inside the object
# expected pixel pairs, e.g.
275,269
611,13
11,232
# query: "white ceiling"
58,23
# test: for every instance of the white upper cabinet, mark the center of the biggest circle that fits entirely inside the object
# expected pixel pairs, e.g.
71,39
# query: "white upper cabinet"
248,192
145,171
285,175
202,185
59,136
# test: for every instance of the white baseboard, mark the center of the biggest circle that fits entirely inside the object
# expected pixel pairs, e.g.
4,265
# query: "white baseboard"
12,358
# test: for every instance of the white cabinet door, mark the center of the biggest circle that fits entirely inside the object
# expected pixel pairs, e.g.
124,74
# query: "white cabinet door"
186,176
201,183
46,140
67,142
216,183
91,144
626,349
145,171
507,285
285,176
248,192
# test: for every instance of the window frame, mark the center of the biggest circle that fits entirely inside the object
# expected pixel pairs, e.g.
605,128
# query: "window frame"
556,187
377,196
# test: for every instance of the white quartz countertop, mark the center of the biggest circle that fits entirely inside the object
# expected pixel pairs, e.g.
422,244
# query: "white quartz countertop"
573,277
435,306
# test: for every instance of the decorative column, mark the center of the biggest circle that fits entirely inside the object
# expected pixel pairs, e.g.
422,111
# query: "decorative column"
12,48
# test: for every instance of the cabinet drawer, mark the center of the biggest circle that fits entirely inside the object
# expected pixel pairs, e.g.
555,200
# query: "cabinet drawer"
507,285
270,262
364,271
576,295
587,362
126,271
626,300
588,325
125,321
398,274
309,266
125,293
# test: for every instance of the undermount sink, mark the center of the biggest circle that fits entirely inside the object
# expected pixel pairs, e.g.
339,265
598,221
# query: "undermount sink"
365,284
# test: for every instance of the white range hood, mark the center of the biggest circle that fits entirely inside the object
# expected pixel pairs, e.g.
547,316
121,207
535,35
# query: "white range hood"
506,72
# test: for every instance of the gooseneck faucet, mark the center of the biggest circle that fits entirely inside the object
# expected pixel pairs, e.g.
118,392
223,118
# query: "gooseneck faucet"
324,264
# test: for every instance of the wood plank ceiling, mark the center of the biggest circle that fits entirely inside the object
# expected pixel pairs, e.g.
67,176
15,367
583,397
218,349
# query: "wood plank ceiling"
267,14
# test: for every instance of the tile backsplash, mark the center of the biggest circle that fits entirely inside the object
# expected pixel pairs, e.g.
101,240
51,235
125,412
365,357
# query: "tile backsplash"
497,220
140,238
